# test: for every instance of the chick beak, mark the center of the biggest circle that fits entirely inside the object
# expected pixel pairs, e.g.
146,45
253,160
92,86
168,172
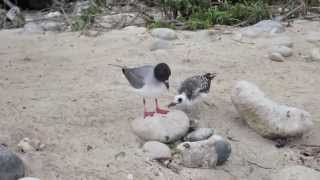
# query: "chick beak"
172,104
166,83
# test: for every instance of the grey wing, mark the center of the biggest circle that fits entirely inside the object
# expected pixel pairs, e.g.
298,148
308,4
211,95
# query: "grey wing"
137,76
191,87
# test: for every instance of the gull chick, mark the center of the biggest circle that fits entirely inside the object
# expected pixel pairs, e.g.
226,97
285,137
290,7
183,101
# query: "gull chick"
193,90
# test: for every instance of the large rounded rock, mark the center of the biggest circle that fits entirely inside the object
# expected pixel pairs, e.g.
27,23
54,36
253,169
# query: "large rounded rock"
265,116
164,33
283,50
204,154
296,173
163,128
156,150
11,166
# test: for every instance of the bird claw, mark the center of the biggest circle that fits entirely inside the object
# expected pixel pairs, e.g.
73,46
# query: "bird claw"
161,111
146,114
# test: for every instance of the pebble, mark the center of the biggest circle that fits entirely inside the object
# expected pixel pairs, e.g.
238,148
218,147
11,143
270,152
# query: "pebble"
283,50
164,33
296,173
28,145
275,56
199,134
266,117
11,166
204,154
156,150
162,128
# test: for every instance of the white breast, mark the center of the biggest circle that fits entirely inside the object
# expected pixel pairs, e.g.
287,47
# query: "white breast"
152,90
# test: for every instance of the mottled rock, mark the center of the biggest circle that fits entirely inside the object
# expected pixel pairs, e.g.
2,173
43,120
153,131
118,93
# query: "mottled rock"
156,150
163,128
164,33
296,173
267,117
49,25
204,154
199,134
281,41
265,26
11,166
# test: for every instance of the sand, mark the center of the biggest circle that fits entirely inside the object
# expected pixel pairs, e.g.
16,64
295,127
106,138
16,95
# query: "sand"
58,88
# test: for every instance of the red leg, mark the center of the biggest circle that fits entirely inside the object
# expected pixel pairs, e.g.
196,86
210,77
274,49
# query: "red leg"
145,113
158,110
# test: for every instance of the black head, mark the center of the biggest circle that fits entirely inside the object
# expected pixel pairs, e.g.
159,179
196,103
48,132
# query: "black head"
210,76
162,73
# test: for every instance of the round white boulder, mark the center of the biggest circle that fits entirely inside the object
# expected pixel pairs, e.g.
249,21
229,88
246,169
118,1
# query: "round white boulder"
267,117
204,154
164,33
163,128
156,150
296,173
283,50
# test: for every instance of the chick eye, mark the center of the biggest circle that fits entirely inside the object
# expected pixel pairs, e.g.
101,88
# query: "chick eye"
179,100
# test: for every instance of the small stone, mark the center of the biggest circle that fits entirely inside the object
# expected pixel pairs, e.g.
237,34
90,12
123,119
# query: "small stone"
266,117
199,134
32,28
11,166
156,150
163,128
315,54
276,57
53,14
25,146
283,50
159,44
296,173
204,154
29,178
164,33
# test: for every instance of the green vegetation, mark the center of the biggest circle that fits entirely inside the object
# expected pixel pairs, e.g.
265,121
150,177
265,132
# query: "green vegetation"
200,14
87,15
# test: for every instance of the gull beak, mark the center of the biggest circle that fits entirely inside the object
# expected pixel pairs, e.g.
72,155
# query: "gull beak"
167,84
172,104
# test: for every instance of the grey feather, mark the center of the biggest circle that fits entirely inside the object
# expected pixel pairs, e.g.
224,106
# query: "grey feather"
138,76
195,85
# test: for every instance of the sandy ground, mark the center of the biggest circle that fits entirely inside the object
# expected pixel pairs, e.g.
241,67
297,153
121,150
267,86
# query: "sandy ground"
58,88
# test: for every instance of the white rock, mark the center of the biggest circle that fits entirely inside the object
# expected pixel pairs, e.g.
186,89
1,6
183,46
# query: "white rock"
270,26
283,50
275,56
296,173
315,54
32,28
163,128
164,33
156,150
27,145
160,44
204,154
199,134
267,117
265,26
281,41
11,166
29,178
53,14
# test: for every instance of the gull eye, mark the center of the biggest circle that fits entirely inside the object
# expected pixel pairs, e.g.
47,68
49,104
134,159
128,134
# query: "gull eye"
179,100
